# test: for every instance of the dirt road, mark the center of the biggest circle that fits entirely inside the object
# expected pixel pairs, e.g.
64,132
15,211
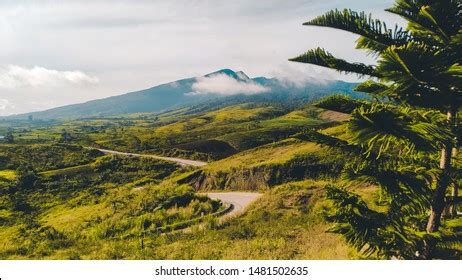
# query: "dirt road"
180,161
240,201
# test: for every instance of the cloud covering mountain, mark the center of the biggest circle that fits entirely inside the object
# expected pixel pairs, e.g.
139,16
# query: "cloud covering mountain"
226,85
217,86
127,45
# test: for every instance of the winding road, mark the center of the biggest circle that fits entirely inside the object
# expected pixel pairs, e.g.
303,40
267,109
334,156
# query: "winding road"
181,161
239,200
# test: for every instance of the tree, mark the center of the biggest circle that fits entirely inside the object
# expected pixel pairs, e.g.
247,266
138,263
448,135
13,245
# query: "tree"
27,178
9,138
133,142
388,146
418,66
65,136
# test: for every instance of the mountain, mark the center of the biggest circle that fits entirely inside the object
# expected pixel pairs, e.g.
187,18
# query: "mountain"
221,86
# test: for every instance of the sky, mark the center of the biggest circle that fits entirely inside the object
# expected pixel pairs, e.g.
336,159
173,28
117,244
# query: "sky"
55,53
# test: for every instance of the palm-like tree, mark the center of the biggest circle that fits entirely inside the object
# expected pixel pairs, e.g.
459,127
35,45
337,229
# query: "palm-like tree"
390,146
419,66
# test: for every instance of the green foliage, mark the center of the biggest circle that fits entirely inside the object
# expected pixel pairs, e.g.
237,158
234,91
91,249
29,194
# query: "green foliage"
275,227
340,103
217,134
9,137
414,65
322,139
84,205
433,22
385,151
27,178
391,144
120,215
374,33
369,231
374,88
323,58
382,128
8,175
45,156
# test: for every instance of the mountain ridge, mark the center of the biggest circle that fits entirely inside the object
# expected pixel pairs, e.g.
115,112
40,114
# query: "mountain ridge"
176,94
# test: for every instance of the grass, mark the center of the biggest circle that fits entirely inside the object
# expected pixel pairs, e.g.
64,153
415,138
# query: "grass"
6,236
284,224
333,116
68,171
93,221
225,116
242,127
8,175
43,157
279,152
67,219
109,207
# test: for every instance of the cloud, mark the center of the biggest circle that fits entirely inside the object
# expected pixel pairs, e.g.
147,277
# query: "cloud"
300,75
223,84
5,105
130,45
13,77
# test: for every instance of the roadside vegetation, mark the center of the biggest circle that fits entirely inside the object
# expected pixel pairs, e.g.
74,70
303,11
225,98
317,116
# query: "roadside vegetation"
342,178
78,203
62,199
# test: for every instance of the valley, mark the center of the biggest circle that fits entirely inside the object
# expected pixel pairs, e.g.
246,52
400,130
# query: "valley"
248,180
121,187
195,92
93,189
152,134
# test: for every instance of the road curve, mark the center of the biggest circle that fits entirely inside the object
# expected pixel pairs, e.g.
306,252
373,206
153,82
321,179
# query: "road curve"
180,161
240,201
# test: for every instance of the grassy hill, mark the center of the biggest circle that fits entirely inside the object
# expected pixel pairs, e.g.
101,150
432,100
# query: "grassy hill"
59,200
178,94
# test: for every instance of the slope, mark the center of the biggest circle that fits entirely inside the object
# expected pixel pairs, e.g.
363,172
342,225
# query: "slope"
181,93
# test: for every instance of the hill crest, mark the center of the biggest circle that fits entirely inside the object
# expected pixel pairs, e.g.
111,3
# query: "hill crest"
177,94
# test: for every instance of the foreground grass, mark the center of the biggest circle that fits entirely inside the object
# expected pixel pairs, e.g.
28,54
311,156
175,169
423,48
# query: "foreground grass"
279,152
83,226
9,175
284,224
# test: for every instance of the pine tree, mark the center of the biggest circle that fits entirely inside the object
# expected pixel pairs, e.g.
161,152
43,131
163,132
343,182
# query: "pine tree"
418,71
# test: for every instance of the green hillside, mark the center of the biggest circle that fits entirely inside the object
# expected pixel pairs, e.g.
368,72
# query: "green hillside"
61,198
177,94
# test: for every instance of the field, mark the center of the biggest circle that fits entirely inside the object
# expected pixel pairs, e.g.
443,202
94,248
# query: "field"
62,198
8,175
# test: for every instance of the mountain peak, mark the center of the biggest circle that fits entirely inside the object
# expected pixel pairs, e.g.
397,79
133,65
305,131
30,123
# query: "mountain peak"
240,75
225,71
177,94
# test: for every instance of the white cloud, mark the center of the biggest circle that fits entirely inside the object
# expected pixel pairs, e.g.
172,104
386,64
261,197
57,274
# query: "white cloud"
131,45
300,75
5,105
13,76
223,84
